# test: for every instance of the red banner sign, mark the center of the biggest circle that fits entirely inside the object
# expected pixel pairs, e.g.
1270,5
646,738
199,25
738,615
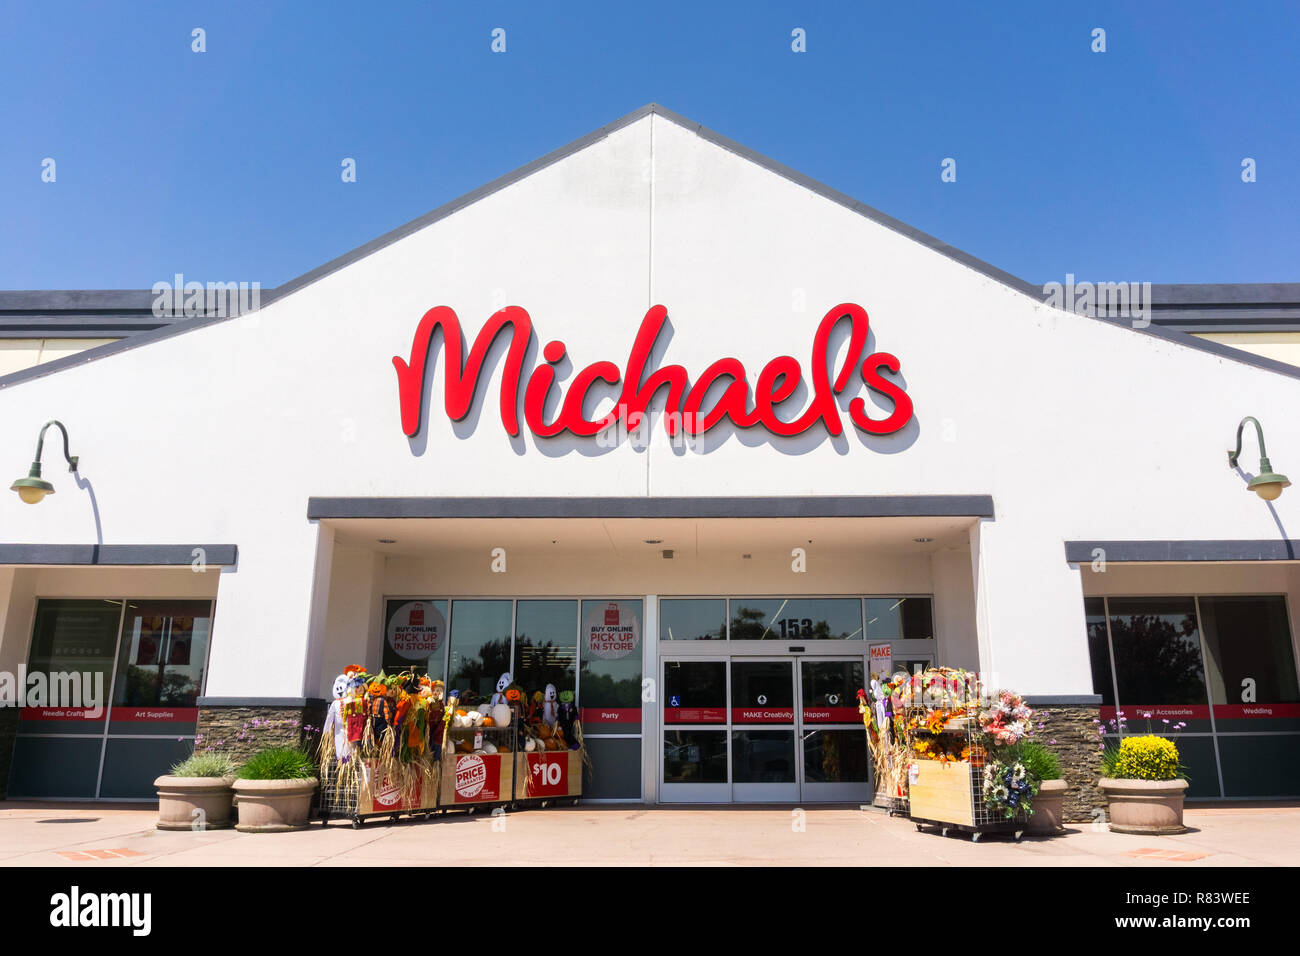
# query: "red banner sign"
1135,715
62,713
685,410
695,715
187,715
610,715
762,715
1256,711
831,715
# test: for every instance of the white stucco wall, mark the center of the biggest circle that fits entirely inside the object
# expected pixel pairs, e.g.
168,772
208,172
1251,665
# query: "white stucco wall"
1077,429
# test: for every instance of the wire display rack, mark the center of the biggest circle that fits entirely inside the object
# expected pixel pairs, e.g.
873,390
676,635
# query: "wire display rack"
949,795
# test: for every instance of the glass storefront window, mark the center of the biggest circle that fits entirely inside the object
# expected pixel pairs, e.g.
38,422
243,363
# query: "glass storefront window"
546,645
1248,645
695,756
610,650
832,684
796,619
163,653
835,756
415,636
762,756
76,637
480,648
1166,650
695,692
768,685
1157,648
1094,610
693,619
899,619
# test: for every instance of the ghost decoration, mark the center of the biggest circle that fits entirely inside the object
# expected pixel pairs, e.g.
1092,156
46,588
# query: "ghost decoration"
550,706
500,696
334,721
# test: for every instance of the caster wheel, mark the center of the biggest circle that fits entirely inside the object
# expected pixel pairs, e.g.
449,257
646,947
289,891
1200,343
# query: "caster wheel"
395,818
356,824
1019,834
975,837
918,828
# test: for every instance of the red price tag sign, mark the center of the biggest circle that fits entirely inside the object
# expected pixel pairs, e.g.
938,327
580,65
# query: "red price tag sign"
549,774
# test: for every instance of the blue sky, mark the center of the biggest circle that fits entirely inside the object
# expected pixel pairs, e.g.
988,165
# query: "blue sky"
1123,165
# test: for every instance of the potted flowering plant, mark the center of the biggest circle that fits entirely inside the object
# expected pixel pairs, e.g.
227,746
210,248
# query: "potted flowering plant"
273,790
197,794
1144,785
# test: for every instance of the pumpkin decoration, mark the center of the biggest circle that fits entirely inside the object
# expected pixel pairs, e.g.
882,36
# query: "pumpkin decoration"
489,722
461,713
501,715
513,695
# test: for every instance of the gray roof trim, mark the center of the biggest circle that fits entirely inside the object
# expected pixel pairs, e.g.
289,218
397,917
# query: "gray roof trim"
138,555
268,296
873,506
1127,552
259,702
1063,700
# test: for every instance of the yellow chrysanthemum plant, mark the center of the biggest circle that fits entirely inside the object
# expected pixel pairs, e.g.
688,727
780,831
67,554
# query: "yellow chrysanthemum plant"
1147,757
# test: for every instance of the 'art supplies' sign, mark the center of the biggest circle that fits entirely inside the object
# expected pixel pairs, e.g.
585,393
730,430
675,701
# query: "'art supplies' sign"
612,631
416,630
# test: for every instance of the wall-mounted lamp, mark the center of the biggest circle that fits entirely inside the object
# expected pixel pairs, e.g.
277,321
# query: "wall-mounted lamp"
1266,484
34,488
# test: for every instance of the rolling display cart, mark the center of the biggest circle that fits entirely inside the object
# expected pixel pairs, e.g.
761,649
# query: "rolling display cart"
371,794
950,794
477,781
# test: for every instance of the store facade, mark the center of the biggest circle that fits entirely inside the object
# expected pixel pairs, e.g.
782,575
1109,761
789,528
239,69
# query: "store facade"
661,422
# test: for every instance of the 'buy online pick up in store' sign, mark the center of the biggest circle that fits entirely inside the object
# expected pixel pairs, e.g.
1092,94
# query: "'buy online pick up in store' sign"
687,409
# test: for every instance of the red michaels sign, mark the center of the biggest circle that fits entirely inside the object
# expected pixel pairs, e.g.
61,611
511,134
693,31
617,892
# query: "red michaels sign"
684,409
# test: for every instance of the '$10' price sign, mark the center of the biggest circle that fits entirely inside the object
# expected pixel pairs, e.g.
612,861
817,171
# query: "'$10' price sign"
550,775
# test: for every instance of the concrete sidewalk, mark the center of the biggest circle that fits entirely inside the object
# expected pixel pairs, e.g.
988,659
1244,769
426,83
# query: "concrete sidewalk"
103,835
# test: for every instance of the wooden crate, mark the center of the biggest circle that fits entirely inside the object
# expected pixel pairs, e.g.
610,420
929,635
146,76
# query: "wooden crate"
377,794
941,792
550,774
469,779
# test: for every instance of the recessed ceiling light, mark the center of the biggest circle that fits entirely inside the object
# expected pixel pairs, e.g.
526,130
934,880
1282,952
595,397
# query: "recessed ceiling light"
923,540
388,541
654,540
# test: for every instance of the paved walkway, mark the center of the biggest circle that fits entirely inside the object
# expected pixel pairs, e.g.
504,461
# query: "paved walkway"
104,835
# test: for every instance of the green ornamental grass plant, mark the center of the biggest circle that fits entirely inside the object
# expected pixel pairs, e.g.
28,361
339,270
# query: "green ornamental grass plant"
205,764
278,763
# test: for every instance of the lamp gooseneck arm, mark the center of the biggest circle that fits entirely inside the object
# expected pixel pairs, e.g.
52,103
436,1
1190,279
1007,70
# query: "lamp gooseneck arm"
1259,434
40,445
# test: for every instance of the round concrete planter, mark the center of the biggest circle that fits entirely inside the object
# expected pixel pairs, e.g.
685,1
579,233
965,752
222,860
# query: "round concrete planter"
273,806
1049,808
1151,807
194,803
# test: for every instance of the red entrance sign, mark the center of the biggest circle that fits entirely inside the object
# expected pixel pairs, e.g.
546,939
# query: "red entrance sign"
762,715
831,715
685,407
695,715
